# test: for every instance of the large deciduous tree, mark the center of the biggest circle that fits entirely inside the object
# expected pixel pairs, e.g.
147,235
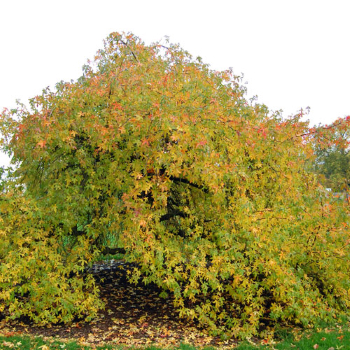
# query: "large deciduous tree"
205,191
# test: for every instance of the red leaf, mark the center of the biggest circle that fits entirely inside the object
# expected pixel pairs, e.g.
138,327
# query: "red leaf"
201,143
145,142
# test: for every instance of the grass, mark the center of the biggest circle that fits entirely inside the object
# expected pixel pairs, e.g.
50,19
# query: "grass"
329,339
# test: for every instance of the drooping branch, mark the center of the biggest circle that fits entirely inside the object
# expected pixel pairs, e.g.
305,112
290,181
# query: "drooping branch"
179,180
172,214
326,127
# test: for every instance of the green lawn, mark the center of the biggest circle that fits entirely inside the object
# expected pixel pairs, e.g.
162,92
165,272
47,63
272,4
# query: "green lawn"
328,339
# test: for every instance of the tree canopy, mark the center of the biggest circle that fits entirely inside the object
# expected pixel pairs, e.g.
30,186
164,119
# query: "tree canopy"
206,191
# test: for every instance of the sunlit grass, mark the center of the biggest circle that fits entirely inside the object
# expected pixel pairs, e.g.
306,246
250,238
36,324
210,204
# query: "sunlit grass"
326,338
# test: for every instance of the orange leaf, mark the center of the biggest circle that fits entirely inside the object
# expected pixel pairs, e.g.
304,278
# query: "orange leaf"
41,143
117,105
121,129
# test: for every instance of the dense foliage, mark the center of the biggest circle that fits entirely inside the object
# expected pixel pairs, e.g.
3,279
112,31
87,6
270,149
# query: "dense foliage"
206,191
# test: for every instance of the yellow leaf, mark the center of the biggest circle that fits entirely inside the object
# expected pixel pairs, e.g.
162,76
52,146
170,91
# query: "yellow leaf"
44,347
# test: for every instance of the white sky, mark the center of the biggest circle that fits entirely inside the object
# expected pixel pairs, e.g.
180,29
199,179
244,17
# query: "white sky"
293,53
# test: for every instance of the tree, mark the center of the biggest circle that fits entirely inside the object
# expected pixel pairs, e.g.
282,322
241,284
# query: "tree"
205,191
332,162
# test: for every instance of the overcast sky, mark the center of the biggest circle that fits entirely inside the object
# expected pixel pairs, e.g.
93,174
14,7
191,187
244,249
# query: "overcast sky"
293,54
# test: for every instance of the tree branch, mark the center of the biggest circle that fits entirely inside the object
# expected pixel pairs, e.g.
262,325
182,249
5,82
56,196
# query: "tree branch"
123,42
173,214
185,181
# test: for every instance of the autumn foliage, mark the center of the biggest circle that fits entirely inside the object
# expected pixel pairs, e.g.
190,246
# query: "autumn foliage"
207,192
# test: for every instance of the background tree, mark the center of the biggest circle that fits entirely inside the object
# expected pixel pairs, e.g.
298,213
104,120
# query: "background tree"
205,191
332,162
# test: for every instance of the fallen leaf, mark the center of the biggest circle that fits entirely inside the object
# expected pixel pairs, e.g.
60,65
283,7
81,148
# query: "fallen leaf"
9,334
44,347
